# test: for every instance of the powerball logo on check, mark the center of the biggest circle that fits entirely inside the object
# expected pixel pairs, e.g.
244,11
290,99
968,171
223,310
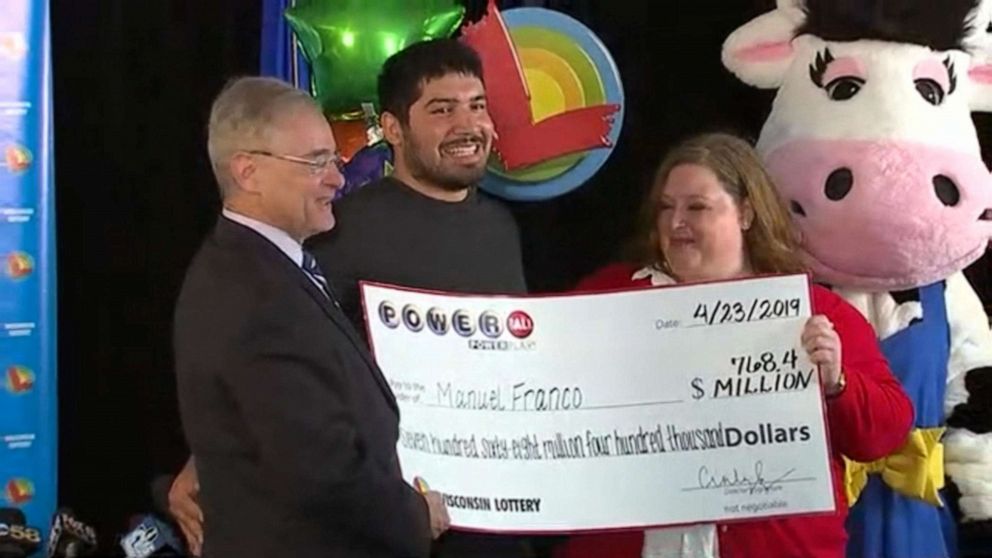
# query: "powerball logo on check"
484,331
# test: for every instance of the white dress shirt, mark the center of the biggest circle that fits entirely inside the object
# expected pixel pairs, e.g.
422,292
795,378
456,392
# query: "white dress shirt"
287,244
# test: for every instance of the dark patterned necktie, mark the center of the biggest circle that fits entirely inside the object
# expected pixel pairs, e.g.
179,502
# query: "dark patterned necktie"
313,270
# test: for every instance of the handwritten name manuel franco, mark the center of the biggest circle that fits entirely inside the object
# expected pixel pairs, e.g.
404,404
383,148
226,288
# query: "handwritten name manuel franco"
517,397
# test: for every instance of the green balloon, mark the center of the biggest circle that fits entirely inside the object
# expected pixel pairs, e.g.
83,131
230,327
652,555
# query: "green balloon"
347,41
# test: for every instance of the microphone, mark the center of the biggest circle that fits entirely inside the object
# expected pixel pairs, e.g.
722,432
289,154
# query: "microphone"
17,540
151,538
70,537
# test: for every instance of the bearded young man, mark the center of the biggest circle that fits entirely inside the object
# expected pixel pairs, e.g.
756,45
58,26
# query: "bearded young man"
428,226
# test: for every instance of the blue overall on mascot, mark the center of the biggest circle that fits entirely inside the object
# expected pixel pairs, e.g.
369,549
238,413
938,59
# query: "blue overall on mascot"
871,144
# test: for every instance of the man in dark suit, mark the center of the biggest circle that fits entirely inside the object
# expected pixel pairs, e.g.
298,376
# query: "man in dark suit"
292,426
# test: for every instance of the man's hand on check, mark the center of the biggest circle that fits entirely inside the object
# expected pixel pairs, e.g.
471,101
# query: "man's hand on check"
436,508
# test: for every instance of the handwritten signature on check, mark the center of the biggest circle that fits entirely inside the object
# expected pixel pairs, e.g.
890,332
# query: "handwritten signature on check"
754,481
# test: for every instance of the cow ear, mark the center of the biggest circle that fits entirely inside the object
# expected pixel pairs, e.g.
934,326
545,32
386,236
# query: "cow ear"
979,44
760,51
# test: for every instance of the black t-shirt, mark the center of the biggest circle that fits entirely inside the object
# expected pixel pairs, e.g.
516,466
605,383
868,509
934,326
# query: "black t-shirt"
390,233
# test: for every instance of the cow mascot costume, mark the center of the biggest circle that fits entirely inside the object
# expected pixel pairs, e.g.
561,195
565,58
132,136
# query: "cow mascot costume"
871,144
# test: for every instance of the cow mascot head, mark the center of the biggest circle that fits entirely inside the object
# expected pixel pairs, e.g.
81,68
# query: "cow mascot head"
871,144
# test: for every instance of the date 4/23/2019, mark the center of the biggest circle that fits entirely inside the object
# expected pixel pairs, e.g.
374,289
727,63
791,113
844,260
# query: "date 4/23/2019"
727,311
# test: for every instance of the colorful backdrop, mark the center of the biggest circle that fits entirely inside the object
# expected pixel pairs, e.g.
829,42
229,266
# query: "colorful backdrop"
28,404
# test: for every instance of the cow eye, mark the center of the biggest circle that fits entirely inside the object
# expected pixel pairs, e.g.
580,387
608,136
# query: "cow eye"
930,90
843,88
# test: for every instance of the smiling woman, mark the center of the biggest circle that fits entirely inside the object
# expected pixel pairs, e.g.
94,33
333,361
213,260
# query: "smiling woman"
712,214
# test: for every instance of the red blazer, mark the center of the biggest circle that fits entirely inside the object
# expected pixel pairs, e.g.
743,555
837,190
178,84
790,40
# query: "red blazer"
868,420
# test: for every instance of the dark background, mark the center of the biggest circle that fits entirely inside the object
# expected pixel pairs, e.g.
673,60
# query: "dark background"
133,84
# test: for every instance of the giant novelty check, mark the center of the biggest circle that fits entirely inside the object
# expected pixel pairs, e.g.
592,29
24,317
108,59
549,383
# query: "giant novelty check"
640,408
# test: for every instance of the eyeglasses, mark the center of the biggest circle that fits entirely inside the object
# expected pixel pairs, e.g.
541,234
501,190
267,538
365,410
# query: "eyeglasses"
316,167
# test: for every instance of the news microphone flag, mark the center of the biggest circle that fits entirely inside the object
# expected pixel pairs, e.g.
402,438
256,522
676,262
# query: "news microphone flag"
151,538
17,540
69,537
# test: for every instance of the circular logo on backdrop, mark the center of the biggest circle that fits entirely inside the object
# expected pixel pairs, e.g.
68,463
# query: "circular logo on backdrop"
19,379
18,491
565,68
17,158
18,265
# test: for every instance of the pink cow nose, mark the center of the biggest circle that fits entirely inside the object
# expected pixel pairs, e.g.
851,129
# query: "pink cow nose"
840,182
877,213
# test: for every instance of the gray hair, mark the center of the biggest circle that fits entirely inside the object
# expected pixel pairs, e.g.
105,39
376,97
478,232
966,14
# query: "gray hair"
242,117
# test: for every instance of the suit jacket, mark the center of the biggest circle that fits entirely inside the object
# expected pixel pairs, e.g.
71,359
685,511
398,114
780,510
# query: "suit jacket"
292,425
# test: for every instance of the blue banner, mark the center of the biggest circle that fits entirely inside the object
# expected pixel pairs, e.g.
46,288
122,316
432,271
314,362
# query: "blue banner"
281,56
28,399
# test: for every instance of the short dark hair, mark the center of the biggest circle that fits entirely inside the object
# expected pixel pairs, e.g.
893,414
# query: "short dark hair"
404,73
